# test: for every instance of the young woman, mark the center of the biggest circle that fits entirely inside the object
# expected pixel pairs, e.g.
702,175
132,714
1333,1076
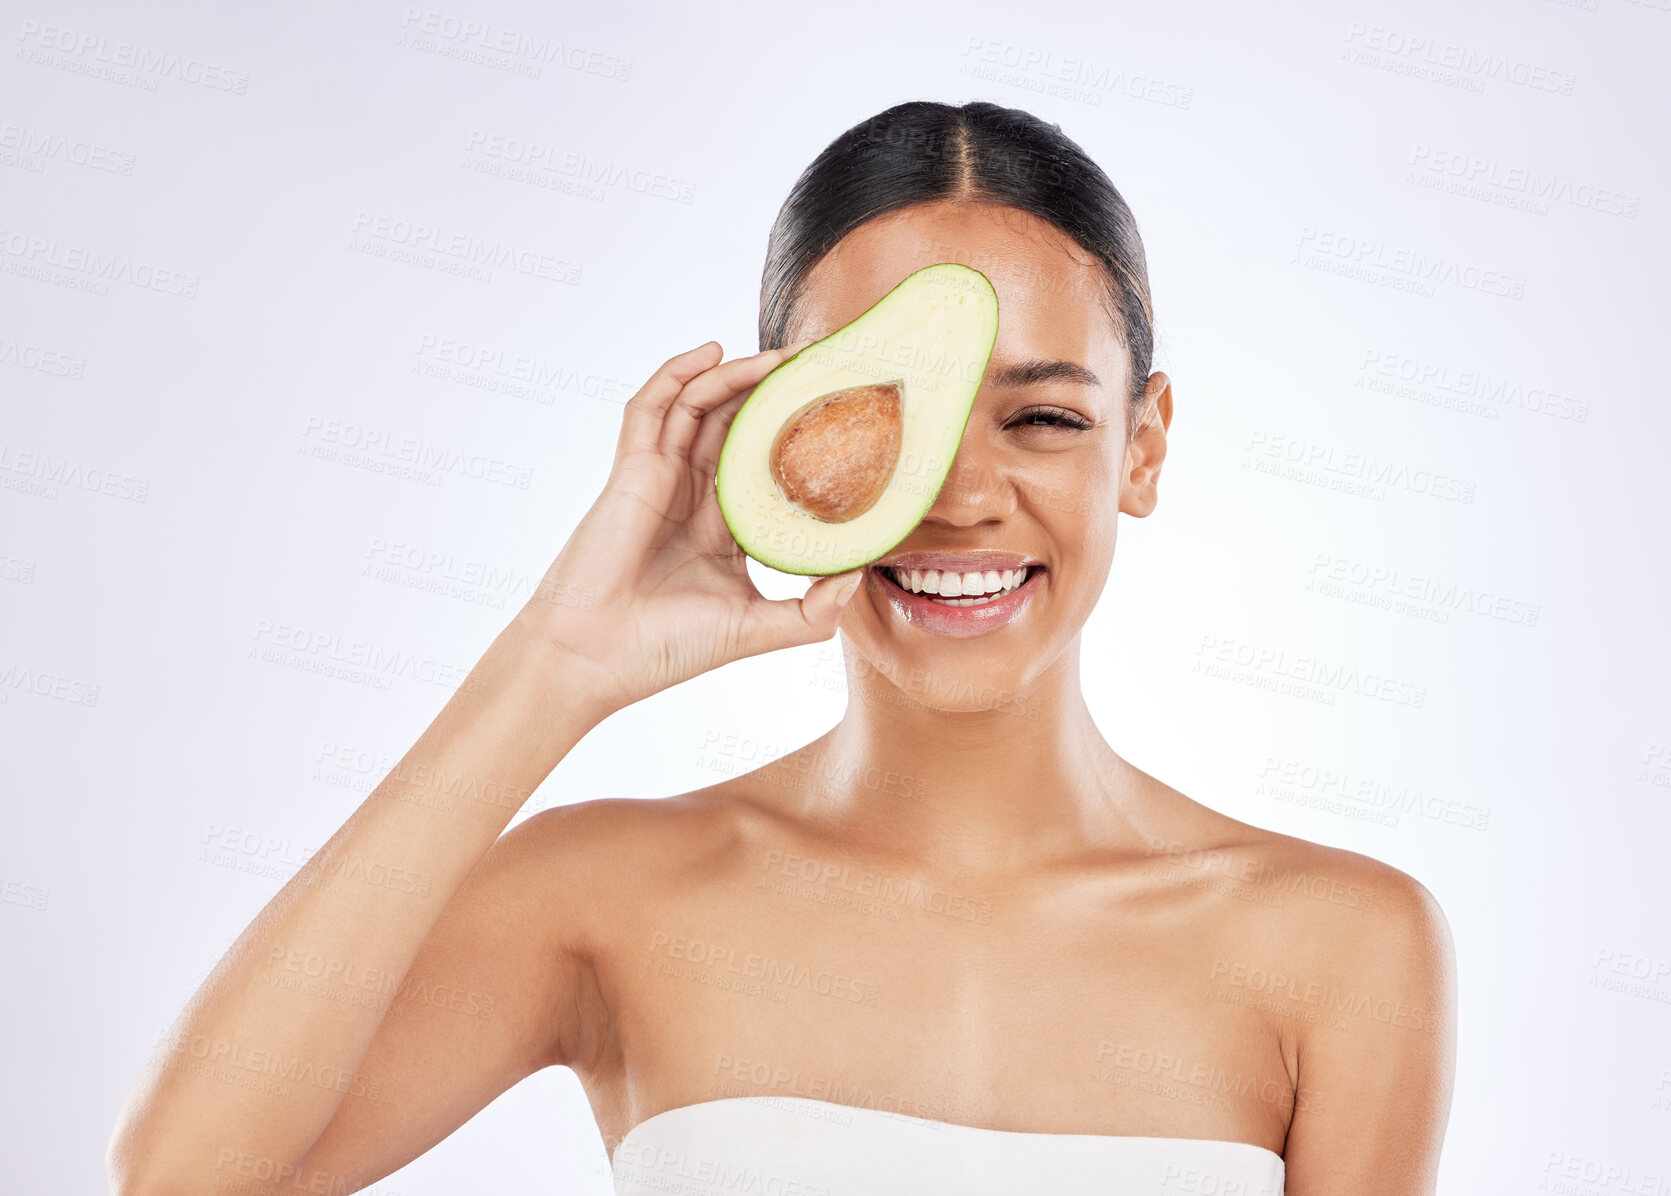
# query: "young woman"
955,944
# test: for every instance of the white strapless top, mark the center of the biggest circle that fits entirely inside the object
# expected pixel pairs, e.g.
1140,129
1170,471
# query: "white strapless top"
797,1146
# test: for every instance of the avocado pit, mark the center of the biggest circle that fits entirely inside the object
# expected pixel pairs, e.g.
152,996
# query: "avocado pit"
833,458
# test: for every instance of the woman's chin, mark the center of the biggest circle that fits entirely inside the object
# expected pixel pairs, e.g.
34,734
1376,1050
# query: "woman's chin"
927,680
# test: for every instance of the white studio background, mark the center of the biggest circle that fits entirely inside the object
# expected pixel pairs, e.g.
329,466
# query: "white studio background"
1407,261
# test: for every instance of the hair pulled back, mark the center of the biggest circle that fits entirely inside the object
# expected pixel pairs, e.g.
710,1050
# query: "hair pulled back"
921,151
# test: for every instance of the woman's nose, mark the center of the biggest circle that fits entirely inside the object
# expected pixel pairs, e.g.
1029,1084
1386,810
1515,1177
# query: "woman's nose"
976,488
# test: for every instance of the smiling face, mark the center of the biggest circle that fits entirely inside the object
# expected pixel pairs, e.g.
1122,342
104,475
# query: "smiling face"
1044,464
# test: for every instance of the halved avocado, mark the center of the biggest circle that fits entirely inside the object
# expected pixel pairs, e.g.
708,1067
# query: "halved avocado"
841,450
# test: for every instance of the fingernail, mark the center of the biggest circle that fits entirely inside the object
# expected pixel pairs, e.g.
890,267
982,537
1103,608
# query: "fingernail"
847,591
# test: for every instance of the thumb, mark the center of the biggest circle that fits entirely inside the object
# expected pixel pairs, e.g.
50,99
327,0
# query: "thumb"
789,622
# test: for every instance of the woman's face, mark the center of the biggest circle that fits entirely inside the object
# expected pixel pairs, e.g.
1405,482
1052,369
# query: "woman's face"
1027,481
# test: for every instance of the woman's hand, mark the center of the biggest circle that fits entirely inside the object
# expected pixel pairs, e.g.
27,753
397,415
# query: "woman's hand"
651,589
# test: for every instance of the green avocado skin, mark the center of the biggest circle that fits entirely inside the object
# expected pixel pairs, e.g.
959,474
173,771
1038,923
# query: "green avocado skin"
935,332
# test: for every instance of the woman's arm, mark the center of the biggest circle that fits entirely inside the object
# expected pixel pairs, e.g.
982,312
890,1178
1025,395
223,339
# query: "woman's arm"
1376,1063
276,1040
286,1057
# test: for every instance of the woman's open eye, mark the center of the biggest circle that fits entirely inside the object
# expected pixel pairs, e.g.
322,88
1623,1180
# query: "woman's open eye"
1047,416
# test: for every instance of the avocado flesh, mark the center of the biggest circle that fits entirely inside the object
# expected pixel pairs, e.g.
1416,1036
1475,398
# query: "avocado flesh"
841,450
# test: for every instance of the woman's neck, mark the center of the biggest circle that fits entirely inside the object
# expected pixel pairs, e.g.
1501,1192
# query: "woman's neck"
1025,778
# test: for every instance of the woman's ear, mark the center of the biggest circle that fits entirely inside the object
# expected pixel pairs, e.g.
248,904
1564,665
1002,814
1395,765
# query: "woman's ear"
1146,450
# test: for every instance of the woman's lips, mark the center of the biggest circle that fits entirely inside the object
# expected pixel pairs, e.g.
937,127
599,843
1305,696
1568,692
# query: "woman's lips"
920,610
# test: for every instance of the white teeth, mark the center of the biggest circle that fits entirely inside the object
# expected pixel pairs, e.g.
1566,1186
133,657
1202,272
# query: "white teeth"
959,589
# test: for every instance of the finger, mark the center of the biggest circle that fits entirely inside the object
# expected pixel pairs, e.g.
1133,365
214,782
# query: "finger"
710,435
707,391
789,622
642,418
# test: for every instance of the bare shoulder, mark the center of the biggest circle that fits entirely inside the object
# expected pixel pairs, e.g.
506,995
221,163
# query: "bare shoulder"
620,845
1349,960
1355,917
1311,915
626,821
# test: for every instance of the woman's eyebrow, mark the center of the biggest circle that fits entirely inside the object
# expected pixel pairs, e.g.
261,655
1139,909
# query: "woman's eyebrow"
1034,370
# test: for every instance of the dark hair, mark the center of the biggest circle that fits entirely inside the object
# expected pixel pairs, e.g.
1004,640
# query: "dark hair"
921,151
